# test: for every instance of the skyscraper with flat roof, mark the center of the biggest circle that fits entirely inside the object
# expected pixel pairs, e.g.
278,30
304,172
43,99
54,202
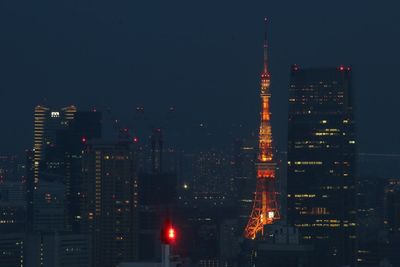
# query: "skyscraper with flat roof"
47,122
321,161
109,202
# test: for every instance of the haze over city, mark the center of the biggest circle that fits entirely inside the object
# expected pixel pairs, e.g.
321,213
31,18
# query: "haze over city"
195,56
199,134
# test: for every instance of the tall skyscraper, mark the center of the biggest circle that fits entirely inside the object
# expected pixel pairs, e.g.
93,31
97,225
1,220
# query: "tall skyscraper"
110,202
321,161
392,206
60,167
265,208
70,143
47,122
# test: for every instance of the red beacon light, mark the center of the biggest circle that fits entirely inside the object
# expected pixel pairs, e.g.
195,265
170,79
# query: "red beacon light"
83,139
171,233
168,234
344,68
135,139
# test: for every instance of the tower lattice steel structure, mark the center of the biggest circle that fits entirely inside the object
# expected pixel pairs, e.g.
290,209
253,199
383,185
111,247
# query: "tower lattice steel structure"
265,207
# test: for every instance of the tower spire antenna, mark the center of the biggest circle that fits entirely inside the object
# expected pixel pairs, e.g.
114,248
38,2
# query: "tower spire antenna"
265,70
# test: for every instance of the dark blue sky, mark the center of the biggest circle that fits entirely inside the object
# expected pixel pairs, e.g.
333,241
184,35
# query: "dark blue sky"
204,57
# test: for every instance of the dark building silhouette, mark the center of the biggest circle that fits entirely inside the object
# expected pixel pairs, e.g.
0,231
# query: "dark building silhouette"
321,159
61,172
109,205
12,207
29,187
156,150
281,248
8,168
392,206
157,191
12,248
244,158
71,142
56,250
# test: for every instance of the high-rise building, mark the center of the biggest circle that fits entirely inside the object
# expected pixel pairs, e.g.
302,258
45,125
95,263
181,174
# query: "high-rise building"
49,207
110,202
61,165
321,161
57,250
67,153
392,206
12,247
12,207
47,122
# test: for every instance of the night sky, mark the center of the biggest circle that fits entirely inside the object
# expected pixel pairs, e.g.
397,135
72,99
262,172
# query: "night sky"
203,57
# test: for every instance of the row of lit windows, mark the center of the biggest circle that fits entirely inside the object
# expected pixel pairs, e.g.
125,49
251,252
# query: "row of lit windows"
308,163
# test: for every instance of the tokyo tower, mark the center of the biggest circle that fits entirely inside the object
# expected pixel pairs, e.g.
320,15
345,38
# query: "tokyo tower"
265,207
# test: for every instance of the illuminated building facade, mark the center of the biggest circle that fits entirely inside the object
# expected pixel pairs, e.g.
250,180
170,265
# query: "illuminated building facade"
321,161
47,122
265,207
109,205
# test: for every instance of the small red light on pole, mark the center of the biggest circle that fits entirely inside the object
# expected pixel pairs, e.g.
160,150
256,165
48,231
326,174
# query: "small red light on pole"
83,139
135,139
168,234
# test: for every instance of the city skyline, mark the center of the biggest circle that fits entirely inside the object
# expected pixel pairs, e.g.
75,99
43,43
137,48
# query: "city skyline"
119,53
199,134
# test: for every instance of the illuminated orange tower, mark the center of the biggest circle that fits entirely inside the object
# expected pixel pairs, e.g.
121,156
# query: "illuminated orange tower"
265,207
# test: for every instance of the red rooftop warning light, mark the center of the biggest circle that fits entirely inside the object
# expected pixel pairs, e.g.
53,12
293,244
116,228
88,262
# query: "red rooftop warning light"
168,234
135,139
341,68
83,139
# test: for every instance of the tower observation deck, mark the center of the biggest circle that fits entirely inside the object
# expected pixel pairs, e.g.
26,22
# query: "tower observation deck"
265,207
